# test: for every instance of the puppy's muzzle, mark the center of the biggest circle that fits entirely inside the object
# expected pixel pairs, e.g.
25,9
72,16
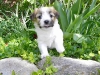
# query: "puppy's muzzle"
48,24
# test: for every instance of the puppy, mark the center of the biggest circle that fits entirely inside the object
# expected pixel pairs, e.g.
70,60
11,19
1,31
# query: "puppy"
48,30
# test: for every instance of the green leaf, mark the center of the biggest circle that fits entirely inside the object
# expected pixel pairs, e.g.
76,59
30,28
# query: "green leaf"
68,35
83,27
92,11
91,54
48,70
78,38
24,55
0,73
31,57
34,73
39,72
76,7
85,11
48,61
98,71
51,69
93,4
75,24
68,4
13,72
61,55
99,52
31,1
69,15
63,16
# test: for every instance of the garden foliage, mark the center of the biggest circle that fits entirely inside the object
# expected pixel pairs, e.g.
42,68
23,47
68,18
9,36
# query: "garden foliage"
79,20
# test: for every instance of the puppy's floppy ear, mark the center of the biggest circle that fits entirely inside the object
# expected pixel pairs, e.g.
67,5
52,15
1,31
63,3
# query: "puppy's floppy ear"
33,15
55,12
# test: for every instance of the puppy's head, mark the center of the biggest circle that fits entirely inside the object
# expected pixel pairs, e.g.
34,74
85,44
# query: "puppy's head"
44,16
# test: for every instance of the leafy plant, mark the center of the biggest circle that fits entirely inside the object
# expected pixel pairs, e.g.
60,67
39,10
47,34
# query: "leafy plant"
77,20
39,72
72,18
13,72
49,68
0,73
16,40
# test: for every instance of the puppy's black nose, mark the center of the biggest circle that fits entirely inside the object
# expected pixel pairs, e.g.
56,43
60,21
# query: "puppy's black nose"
46,21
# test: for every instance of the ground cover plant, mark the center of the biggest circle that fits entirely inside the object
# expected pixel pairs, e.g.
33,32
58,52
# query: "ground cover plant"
79,20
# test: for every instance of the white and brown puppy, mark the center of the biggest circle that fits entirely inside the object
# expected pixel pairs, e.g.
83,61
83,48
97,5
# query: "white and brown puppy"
48,30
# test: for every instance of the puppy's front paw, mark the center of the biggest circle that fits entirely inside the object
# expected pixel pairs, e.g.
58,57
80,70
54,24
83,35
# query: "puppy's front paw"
61,49
44,55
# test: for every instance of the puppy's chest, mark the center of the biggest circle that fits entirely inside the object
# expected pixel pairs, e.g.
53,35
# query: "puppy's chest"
46,38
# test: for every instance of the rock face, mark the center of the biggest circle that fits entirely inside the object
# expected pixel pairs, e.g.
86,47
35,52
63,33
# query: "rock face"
20,67
65,66
69,66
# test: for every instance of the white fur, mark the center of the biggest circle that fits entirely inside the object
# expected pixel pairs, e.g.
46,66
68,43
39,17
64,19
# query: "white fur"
51,37
45,15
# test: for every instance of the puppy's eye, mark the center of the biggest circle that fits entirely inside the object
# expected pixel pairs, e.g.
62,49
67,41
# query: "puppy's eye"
39,17
51,15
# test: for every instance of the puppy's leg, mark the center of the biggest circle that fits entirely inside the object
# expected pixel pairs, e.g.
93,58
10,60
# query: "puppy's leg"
43,50
59,45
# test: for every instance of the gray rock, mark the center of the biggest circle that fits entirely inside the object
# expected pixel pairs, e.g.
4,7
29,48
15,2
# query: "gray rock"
70,66
20,67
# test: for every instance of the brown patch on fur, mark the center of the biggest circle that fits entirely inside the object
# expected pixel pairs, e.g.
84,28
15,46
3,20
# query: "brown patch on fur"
55,12
33,15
